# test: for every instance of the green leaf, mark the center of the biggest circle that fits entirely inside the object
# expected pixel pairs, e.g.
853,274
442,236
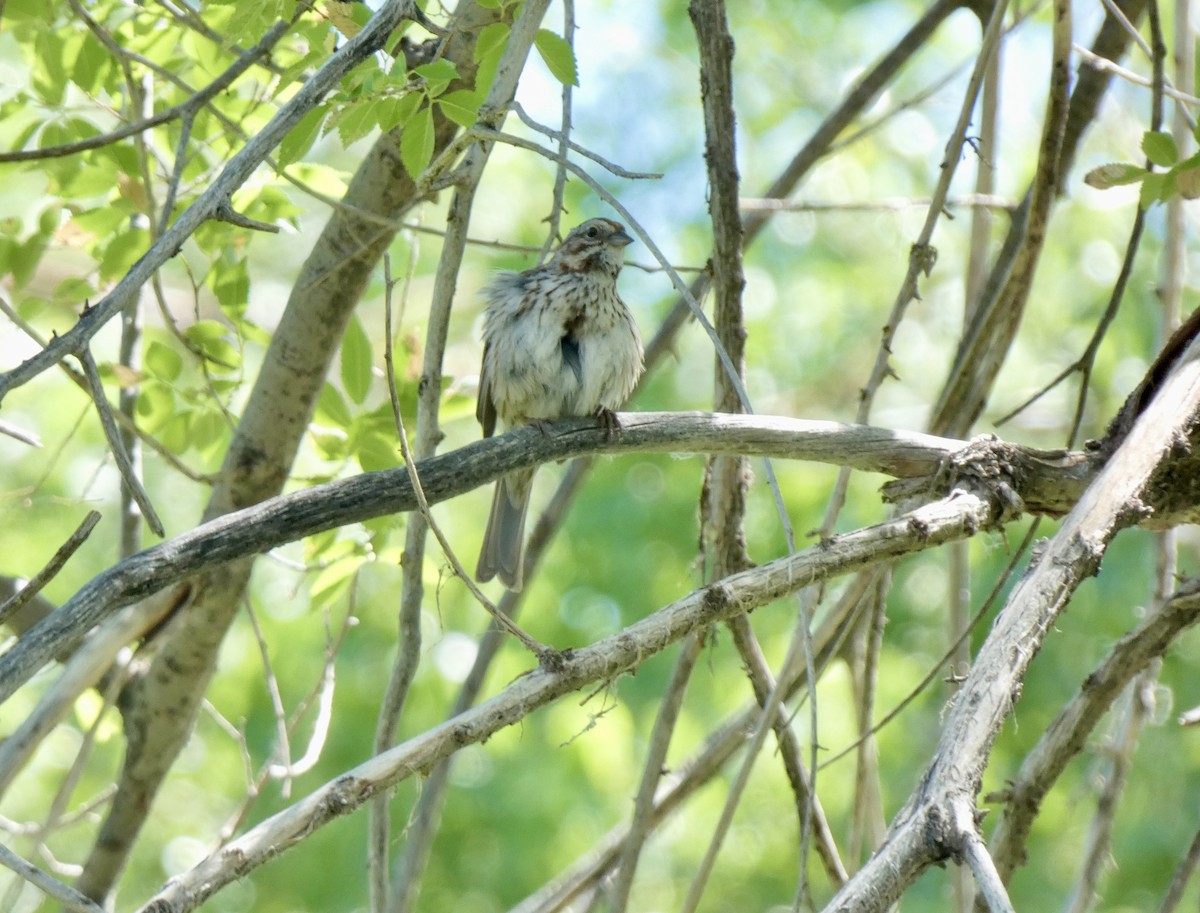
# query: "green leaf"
24,259
211,339
439,71
301,137
437,76
72,291
162,362
416,144
123,252
1114,174
209,431
1156,188
155,404
356,121
91,64
49,72
375,452
491,40
176,432
333,582
230,282
1160,148
331,445
332,410
356,361
461,106
559,57
395,110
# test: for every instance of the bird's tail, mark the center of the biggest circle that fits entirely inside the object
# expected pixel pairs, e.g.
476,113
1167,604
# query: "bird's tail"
503,542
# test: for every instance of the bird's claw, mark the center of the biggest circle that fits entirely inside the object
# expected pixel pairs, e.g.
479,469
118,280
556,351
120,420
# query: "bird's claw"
609,423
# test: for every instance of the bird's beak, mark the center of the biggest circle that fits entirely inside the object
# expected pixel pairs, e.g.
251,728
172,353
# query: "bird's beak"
620,239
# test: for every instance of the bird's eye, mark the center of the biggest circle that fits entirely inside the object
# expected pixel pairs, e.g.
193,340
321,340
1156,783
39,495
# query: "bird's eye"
592,232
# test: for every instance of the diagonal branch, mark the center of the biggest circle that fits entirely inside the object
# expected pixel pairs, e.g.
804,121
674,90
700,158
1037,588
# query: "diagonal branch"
924,528
927,830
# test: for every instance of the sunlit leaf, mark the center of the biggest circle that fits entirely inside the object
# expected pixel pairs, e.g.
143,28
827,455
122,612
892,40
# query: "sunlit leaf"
461,106
162,362
491,40
558,56
1160,148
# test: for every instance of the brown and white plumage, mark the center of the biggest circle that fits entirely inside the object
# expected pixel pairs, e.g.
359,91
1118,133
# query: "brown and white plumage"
557,342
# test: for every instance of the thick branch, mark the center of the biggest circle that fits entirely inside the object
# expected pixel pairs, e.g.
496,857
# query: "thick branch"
1068,734
1046,481
917,838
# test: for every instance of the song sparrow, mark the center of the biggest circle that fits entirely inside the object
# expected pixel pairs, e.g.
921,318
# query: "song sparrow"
557,342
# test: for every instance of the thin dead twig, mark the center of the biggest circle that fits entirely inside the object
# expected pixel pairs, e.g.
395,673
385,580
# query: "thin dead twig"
13,604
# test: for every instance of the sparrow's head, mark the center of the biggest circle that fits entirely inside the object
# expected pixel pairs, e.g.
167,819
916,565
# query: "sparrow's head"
598,245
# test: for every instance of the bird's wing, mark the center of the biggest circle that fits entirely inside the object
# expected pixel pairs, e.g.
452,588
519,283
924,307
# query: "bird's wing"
485,407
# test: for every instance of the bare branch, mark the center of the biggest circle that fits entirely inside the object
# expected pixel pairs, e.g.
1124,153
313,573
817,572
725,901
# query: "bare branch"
918,835
115,445
603,661
48,885
14,603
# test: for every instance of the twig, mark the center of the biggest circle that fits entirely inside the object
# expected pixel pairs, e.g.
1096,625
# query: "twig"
20,434
565,143
653,768
975,855
505,623
799,779
1115,773
115,444
922,255
13,604
423,822
867,822
83,669
934,670
1181,875
501,91
125,422
985,201
1050,482
47,884
1086,361
283,748
322,693
1093,59
994,323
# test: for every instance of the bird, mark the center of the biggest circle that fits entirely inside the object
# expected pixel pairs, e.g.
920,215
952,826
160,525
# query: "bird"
558,342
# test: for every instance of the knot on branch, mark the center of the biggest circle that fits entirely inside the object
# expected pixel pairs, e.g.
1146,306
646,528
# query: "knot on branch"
988,467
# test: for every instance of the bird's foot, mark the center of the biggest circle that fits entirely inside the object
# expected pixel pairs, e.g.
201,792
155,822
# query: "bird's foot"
609,423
